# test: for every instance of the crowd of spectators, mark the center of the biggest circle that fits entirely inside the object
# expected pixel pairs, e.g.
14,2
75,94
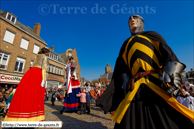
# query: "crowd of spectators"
5,98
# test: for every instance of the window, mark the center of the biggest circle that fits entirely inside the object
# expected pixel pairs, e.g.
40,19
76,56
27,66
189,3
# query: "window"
24,44
56,70
11,18
50,68
61,71
19,66
9,36
53,56
53,69
3,60
36,49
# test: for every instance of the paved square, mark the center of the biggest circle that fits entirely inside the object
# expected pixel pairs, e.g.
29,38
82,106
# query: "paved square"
95,120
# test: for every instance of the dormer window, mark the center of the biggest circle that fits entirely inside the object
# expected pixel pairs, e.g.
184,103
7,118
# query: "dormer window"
53,56
11,18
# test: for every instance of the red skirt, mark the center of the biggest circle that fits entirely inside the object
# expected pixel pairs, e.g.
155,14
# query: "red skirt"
28,101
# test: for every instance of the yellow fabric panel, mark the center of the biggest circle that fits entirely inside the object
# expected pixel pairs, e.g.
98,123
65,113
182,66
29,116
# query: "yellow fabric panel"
171,101
140,63
154,42
125,52
43,74
38,118
117,116
143,48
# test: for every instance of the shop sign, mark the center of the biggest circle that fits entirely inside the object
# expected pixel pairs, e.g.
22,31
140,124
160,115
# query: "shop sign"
9,78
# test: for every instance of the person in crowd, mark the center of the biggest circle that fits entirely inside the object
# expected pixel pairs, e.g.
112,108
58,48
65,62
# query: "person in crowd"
185,99
2,98
151,67
6,88
3,91
28,101
7,95
82,100
191,90
10,89
46,94
88,101
96,95
14,86
53,97
8,101
2,103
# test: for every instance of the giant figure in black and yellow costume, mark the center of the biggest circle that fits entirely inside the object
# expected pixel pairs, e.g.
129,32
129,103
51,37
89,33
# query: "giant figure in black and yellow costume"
145,80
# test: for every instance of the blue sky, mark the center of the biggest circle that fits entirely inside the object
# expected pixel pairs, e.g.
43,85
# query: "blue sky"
97,29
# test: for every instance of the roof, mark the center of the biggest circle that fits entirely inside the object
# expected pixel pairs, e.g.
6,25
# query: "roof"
59,57
21,26
104,75
63,56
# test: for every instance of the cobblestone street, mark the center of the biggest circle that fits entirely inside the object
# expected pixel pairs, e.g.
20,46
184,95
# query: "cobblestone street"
96,119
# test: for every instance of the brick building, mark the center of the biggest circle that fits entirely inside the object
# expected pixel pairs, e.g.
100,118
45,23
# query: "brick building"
19,47
56,70
105,79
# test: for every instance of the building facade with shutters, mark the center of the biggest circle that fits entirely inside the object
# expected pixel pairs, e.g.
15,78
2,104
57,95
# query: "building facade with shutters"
19,45
56,71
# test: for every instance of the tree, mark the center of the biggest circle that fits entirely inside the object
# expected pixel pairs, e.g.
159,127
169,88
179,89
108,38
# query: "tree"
95,81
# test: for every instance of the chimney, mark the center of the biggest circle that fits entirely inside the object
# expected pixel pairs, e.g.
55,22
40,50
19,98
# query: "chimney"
52,48
36,29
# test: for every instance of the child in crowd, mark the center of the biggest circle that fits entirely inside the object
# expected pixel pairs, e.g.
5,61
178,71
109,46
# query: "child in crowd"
82,100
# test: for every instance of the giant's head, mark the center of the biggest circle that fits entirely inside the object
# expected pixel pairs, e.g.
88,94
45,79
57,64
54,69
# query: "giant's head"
136,24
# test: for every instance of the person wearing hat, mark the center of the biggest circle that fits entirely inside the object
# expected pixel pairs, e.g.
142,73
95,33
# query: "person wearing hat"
151,73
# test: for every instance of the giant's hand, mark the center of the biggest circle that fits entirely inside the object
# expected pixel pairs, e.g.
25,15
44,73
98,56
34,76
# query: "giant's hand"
171,75
43,83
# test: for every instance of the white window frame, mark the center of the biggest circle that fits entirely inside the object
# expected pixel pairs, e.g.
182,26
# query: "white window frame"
49,67
24,43
11,18
35,51
53,69
53,56
1,60
61,71
9,36
56,70
20,60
